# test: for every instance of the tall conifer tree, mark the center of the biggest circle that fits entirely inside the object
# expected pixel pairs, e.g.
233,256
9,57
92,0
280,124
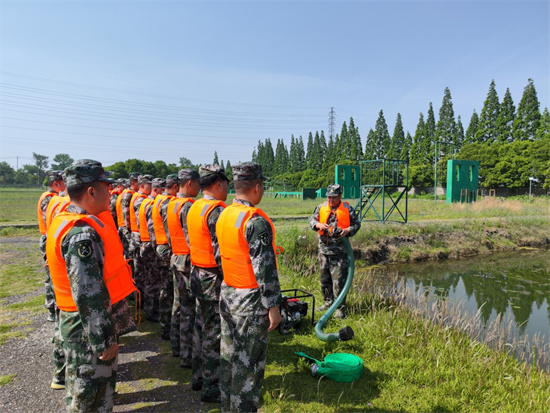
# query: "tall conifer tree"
459,137
369,146
381,137
310,150
446,125
472,129
487,131
397,140
505,121
527,118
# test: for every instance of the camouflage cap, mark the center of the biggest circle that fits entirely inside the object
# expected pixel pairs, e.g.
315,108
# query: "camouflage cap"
85,171
54,176
134,176
248,171
145,179
206,170
171,179
159,183
121,181
334,190
187,174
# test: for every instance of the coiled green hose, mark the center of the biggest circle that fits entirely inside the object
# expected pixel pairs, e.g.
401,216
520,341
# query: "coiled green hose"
345,333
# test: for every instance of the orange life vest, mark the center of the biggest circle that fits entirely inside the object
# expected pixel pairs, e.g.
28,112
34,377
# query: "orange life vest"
143,230
342,215
160,235
119,216
57,204
202,253
117,274
177,237
234,250
41,222
133,216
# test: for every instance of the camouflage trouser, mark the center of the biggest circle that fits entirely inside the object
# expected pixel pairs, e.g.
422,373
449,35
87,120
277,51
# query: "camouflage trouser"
90,382
334,272
50,295
190,354
242,360
166,298
58,354
124,235
205,283
139,264
149,268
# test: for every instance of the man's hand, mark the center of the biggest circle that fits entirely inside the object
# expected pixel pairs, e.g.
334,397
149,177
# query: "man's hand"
274,318
110,353
345,232
322,227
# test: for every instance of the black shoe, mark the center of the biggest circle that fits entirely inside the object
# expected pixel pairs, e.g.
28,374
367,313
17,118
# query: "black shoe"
175,354
197,385
51,317
210,399
165,335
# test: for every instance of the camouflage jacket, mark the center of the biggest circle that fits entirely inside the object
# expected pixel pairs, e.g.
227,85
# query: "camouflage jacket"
150,227
96,323
112,206
137,204
165,250
45,202
125,204
249,301
211,221
330,245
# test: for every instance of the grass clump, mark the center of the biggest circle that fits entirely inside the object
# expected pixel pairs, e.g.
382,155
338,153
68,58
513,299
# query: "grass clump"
7,379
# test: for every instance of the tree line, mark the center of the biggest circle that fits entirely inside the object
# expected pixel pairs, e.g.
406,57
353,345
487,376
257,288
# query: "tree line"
512,144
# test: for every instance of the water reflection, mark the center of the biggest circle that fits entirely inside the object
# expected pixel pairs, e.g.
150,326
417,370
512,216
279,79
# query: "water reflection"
514,285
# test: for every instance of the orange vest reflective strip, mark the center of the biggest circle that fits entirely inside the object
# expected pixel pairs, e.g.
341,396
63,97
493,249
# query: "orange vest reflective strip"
342,215
57,204
200,243
177,237
41,223
117,274
133,216
119,216
160,235
143,230
234,250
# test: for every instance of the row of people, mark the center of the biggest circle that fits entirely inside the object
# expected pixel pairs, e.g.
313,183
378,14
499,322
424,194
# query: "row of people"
207,271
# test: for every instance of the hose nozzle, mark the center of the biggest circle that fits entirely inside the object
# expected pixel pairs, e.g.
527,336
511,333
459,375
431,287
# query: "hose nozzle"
346,334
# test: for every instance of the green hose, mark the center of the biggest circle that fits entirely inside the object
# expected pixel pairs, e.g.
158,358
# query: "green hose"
345,333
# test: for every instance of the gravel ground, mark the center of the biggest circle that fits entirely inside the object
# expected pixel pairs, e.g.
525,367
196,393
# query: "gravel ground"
149,378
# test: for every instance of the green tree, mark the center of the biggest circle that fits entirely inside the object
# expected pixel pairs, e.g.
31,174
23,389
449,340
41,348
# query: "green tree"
527,118
397,140
405,150
505,120
229,170
216,160
62,161
459,137
41,162
356,148
381,137
269,158
119,170
544,127
473,126
446,126
343,144
310,151
281,158
185,163
488,119
7,174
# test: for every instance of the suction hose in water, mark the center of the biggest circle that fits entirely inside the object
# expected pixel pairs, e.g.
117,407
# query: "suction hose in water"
345,333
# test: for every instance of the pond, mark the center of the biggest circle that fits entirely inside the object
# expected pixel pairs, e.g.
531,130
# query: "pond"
514,285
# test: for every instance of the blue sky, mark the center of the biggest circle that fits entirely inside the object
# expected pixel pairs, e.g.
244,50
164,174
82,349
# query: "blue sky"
160,80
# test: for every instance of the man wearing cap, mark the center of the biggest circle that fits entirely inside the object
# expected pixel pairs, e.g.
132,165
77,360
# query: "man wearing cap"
334,220
250,292
56,186
145,188
117,190
166,297
91,280
206,275
180,265
123,213
148,261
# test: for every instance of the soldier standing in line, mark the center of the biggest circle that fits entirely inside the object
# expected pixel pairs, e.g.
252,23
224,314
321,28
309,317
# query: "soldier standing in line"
166,294
123,213
334,220
147,254
176,222
117,190
145,188
250,292
91,280
56,187
206,275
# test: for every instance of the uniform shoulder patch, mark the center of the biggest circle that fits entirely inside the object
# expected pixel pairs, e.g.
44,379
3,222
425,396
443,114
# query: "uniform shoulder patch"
264,238
84,248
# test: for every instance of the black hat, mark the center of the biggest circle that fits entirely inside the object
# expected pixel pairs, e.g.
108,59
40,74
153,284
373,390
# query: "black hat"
334,190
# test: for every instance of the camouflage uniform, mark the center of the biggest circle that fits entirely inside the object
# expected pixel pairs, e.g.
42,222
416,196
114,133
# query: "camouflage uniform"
245,322
148,260
112,206
188,314
135,245
333,258
50,296
124,231
94,327
167,298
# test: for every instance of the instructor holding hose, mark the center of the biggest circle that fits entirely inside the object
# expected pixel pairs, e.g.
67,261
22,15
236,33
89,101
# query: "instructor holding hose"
334,220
